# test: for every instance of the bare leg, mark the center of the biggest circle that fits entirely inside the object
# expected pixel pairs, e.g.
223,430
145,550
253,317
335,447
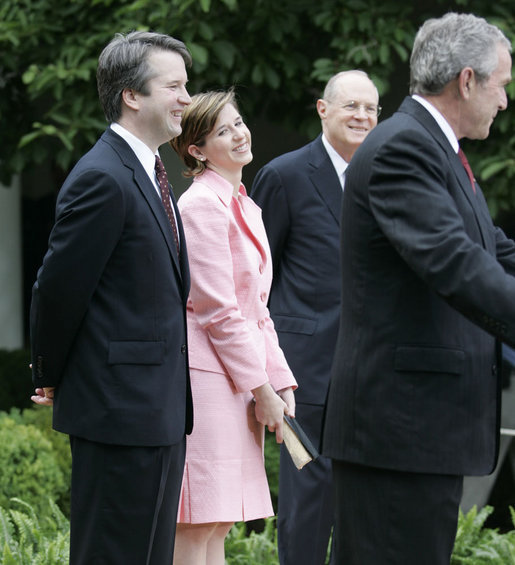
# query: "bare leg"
191,541
215,547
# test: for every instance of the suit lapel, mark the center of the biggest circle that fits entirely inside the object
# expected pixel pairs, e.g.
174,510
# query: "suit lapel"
476,201
149,193
325,179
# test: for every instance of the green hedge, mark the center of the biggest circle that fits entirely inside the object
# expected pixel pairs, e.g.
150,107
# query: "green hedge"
35,464
34,460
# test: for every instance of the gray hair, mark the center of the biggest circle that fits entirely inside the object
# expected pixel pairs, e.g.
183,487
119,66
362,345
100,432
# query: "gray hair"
331,88
124,64
444,46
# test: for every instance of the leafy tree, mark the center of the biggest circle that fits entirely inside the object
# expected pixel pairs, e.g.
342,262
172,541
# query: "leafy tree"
278,54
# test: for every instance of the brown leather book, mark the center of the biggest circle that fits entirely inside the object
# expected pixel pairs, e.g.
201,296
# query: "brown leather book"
297,443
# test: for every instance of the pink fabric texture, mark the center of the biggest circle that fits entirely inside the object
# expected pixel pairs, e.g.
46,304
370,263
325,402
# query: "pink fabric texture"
233,348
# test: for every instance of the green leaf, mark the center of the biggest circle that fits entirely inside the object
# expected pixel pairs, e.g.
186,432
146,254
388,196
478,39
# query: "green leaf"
199,53
231,4
30,74
257,75
225,53
496,167
206,31
272,78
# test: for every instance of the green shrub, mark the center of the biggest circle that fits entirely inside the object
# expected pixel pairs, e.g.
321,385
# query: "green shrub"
243,549
16,379
41,418
29,467
27,540
476,545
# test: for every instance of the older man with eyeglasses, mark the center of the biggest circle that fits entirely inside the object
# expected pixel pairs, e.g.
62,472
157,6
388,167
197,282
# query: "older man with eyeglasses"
300,194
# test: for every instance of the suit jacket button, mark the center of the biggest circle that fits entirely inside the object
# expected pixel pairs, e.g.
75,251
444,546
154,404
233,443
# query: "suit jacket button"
261,324
39,367
494,370
183,348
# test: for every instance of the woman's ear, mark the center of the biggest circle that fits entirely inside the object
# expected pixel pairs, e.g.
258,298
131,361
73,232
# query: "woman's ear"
195,152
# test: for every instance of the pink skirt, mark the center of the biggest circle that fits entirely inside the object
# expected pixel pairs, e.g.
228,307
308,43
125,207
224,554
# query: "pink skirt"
224,474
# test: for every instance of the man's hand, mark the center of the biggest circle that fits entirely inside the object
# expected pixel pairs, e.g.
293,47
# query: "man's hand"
44,396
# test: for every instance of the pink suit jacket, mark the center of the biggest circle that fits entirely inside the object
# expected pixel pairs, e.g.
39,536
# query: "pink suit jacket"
229,326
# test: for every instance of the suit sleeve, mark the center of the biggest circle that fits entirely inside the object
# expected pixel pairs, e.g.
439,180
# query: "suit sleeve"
409,197
269,194
505,248
89,222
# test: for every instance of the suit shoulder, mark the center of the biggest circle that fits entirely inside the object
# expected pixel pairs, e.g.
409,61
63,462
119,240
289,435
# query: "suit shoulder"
291,158
286,170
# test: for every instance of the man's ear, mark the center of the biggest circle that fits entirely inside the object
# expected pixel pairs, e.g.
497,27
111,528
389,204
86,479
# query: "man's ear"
466,82
322,108
130,98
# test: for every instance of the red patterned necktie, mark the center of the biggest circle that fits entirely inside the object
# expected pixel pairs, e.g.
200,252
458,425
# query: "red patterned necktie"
162,179
465,163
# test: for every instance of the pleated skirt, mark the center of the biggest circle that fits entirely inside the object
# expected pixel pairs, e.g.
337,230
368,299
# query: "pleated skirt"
224,474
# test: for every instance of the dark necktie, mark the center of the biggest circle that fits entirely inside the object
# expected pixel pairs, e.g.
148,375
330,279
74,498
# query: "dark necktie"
465,163
162,179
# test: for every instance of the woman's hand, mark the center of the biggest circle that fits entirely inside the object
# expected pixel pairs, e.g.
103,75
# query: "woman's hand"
270,409
288,396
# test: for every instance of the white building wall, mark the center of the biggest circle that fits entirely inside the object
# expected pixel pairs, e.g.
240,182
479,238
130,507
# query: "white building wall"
11,309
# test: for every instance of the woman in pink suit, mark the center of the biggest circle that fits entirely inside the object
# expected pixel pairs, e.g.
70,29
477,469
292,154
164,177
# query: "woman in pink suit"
240,379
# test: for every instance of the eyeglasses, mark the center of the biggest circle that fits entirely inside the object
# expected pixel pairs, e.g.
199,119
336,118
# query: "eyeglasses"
353,107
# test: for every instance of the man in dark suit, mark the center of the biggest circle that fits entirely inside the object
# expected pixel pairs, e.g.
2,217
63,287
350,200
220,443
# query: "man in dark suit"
300,194
427,292
108,315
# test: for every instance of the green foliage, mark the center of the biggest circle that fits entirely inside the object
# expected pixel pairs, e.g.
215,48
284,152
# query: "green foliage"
29,466
476,545
242,549
41,418
15,378
278,54
26,539
272,453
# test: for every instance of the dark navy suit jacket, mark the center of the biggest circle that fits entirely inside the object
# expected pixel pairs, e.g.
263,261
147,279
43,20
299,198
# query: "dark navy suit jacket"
300,196
427,288
108,317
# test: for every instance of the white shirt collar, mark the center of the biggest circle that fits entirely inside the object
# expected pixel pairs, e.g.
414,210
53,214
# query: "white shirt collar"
440,120
339,163
142,151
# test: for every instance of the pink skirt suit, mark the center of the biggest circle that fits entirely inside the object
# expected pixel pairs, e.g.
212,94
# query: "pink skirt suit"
233,348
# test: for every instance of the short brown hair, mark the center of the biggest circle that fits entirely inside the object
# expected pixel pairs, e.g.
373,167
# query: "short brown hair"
198,120
124,64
